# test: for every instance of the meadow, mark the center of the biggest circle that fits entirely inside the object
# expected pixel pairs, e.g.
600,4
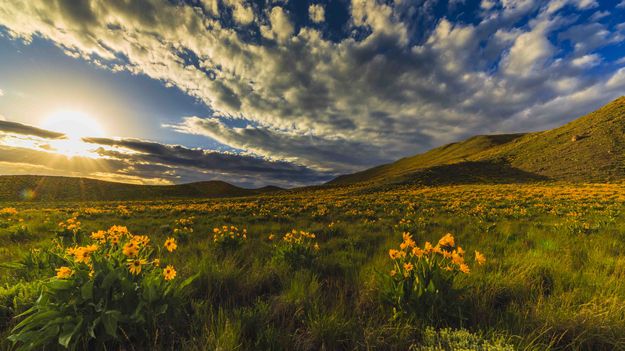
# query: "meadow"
322,269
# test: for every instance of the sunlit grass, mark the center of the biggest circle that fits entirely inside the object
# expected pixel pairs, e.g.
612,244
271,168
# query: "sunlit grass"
553,276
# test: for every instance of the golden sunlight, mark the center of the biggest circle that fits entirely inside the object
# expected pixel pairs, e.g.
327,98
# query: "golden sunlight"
75,125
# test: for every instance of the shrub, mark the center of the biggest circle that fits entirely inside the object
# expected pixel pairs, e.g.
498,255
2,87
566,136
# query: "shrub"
69,229
459,339
421,281
8,212
297,248
19,234
229,237
183,228
110,292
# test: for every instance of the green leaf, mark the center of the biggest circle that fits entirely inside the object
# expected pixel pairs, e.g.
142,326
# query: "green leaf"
33,320
188,281
109,280
68,331
109,320
87,290
60,284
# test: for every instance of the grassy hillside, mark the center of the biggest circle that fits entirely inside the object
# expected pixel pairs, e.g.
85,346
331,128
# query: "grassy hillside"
46,188
590,148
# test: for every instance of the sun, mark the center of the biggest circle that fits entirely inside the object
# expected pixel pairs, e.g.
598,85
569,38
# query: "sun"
76,126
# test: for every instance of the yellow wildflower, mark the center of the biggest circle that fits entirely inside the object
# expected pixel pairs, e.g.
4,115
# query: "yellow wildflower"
99,236
447,240
131,249
394,254
169,272
170,244
427,247
64,272
416,251
464,268
479,258
82,255
134,266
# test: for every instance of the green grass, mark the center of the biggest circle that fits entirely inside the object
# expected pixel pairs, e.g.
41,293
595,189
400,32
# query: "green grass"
553,278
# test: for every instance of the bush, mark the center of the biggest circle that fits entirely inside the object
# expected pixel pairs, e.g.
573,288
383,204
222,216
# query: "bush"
20,234
109,293
459,339
69,230
183,229
421,281
229,237
297,248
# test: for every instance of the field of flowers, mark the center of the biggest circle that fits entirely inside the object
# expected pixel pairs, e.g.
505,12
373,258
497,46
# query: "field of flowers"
475,267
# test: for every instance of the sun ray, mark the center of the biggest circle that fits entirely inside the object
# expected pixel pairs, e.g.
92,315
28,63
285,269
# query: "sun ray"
75,125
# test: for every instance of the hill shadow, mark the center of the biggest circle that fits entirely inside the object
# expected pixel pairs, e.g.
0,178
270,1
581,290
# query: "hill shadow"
473,172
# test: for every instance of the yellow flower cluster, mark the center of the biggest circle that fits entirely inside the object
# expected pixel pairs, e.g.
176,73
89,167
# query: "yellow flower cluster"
117,244
445,255
297,237
82,254
300,238
92,211
8,211
231,233
64,272
184,225
71,225
112,236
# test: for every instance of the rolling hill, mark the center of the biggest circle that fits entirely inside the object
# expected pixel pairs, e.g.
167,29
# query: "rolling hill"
588,149
49,188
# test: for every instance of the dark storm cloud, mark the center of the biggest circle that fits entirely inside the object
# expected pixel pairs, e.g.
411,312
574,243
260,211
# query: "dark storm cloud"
18,128
217,162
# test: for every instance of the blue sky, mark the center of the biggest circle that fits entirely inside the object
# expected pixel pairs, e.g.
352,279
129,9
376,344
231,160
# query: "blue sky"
290,92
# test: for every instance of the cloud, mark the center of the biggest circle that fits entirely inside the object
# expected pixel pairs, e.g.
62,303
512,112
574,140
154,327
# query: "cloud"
241,12
18,128
384,89
587,61
233,166
281,27
326,155
1,92
316,12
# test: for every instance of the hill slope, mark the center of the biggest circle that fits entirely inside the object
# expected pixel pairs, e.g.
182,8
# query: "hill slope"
48,188
591,148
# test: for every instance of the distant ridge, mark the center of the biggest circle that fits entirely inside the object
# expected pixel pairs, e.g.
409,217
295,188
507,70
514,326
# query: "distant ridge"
52,188
588,149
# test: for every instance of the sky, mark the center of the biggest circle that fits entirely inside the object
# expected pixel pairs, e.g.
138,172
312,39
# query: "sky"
288,92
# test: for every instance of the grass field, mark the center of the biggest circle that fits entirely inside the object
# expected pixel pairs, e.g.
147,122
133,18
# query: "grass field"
553,276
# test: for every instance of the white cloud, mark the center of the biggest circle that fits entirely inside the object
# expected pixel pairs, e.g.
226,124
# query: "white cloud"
487,4
586,61
241,12
281,26
316,13
530,50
